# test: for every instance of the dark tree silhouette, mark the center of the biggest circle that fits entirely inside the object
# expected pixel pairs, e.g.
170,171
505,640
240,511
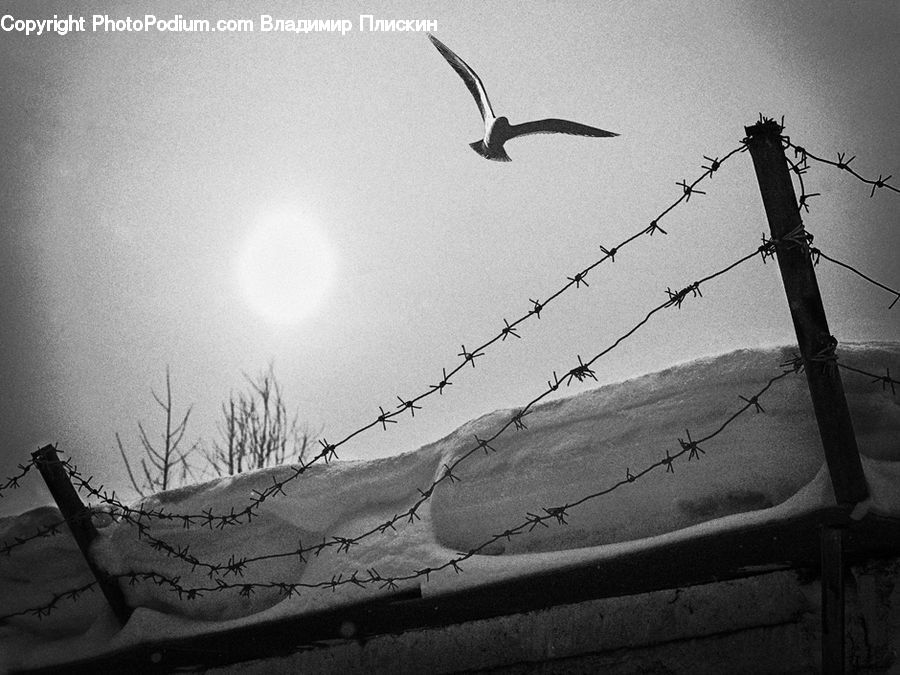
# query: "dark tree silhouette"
257,430
161,461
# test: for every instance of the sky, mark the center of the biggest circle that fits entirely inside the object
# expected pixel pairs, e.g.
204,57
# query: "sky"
139,170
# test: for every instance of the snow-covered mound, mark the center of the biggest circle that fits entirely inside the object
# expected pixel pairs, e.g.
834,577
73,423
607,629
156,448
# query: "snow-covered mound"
763,466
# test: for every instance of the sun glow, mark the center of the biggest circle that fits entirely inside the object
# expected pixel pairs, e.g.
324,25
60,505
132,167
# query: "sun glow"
286,268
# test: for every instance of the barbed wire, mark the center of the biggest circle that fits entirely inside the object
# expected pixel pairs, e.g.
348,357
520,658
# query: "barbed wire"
799,169
829,359
842,163
51,530
580,373
803,200
805,239
886,379
12,482
328,450
817,253
44,610
7,546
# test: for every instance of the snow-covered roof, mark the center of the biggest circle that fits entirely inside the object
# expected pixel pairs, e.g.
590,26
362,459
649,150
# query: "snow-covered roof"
586,482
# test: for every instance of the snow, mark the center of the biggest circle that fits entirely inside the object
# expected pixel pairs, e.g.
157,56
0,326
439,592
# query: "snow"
763,467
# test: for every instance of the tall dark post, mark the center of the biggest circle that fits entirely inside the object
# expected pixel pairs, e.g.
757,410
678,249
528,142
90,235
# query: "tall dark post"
813,337
78,516
816,351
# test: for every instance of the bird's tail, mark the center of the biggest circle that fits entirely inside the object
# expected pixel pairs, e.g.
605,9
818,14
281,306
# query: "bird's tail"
482,149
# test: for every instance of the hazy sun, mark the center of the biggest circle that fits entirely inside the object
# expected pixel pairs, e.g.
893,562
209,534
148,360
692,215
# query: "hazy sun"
286,267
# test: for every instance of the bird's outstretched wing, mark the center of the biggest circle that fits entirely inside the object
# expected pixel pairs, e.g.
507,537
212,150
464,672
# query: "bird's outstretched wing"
555,126
473,82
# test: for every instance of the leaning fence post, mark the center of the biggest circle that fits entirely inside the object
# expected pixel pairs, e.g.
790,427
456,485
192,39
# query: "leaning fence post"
813,337
817,355
78,516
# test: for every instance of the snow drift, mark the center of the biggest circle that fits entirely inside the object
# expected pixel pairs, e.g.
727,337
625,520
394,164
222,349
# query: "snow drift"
764,466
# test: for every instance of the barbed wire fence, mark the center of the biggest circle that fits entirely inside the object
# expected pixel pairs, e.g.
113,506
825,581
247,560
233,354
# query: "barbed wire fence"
543,516
582,372
328,450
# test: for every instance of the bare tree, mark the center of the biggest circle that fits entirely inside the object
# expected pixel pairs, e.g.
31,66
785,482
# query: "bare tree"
161,462
257,430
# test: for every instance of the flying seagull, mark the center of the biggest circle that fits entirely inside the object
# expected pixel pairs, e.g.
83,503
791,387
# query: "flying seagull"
498,130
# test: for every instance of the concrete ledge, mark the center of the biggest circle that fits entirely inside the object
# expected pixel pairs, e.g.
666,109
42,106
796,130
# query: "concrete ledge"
766,623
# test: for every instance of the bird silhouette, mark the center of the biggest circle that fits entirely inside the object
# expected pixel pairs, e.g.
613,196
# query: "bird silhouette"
498,130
